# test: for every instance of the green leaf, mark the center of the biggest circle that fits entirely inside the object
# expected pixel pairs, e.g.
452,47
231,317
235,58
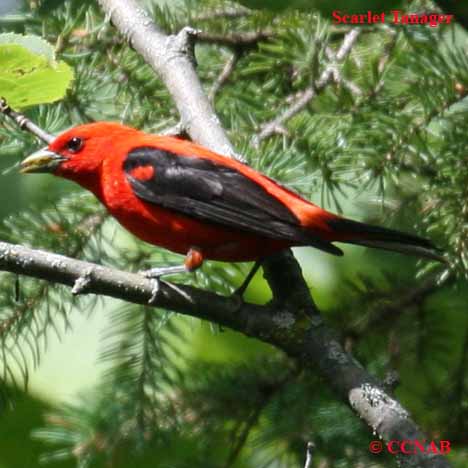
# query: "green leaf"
29,73
34,44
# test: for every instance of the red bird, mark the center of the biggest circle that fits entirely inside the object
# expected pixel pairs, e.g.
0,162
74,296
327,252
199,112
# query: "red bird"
181,196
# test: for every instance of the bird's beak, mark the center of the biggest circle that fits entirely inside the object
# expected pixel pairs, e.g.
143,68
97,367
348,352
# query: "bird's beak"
43,160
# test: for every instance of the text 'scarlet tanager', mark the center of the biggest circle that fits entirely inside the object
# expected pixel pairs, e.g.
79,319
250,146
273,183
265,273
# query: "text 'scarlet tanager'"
181,196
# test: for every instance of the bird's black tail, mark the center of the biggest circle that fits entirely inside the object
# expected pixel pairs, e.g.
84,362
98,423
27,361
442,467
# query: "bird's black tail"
354,232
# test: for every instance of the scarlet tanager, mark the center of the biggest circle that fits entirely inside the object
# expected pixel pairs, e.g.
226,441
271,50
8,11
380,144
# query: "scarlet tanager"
181,196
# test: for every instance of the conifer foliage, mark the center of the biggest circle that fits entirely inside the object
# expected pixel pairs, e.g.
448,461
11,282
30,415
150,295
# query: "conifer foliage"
368,121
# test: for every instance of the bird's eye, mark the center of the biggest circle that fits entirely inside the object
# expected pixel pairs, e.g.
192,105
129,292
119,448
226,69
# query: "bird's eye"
75,144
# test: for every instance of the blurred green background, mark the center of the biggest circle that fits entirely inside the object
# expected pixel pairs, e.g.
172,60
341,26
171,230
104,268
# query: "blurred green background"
393,153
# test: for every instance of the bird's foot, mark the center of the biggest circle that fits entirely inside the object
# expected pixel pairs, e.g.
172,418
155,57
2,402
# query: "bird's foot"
156,273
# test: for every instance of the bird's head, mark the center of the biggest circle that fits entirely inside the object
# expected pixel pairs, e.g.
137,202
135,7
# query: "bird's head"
79,152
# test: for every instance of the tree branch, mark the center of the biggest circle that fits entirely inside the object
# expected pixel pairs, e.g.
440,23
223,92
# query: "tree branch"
171,57
300,333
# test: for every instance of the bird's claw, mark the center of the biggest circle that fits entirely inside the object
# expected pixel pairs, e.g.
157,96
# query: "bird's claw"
155,288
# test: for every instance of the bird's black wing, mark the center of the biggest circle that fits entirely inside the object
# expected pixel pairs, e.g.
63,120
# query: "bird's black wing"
213,193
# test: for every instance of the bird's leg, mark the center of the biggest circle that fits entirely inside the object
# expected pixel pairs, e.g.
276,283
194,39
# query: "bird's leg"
193,260
163,271
239,292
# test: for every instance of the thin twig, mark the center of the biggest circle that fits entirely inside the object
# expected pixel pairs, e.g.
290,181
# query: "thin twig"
224,76
309,93
24,123
338,77
309,454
